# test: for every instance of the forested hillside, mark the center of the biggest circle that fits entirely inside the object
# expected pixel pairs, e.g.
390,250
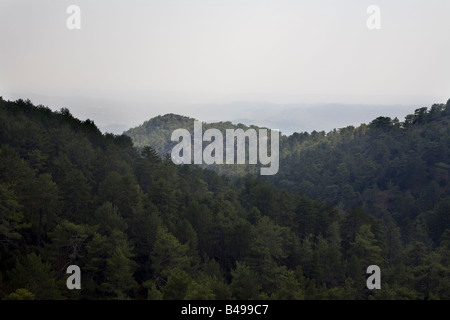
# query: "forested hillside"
394,170
141,227
157,132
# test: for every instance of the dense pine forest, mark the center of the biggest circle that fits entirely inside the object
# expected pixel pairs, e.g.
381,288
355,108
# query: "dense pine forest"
141,227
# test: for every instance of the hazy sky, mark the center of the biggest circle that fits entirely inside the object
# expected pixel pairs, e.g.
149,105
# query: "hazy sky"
167,54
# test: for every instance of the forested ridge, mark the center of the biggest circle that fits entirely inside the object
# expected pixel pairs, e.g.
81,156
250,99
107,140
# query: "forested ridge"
392,169
157,133
140,227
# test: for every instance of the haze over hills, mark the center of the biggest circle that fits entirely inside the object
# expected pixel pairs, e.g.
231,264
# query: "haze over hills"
113,114
363,176
141,227
298,117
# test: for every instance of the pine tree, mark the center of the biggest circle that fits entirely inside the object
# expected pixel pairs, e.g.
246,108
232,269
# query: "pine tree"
36,276
119,274
245,284
168,254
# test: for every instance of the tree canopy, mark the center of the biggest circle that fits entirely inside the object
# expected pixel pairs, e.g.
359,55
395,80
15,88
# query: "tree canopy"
141,227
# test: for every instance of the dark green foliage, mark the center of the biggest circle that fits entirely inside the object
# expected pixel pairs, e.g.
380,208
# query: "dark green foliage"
140,227
32,274
387,167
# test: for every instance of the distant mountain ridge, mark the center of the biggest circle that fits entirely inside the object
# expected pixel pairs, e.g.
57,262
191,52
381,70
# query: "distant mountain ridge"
297,117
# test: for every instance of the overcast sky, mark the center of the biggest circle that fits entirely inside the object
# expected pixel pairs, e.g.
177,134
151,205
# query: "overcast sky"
163,55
